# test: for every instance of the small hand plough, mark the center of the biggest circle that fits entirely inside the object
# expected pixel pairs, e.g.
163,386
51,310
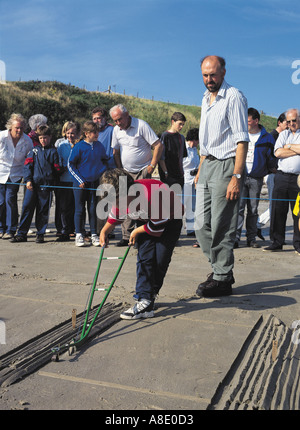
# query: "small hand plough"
81,337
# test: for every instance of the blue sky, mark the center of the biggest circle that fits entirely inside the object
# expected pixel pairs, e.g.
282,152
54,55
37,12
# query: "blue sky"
152,48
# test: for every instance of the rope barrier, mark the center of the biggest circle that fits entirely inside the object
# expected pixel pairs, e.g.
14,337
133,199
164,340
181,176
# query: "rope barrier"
179,195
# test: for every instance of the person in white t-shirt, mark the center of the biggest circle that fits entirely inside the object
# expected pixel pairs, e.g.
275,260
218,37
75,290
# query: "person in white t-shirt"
190,168
14,147
133,141
287,150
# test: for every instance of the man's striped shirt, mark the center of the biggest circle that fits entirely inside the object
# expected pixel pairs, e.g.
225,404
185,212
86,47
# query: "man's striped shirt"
224,123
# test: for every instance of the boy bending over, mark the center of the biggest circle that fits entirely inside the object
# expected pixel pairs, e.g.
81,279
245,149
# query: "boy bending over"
158,214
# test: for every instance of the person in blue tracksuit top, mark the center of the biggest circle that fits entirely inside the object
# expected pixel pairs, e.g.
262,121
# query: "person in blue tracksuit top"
41,170
71,132
86,164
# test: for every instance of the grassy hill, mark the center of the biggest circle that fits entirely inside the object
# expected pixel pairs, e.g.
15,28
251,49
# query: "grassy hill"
60,103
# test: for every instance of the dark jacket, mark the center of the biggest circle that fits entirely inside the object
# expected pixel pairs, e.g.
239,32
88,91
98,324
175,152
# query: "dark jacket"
41,166
264,159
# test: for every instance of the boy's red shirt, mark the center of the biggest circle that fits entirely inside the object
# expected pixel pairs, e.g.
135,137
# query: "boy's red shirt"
156,205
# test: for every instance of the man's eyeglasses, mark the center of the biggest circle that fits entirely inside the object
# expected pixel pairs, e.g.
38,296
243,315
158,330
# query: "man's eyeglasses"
292,120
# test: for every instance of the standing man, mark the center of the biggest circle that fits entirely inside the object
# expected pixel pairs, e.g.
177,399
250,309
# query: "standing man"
133,141
223,138
259,162
265,217
100,117
287,150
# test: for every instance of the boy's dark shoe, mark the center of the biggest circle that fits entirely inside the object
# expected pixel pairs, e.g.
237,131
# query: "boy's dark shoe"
39,238
273,247
63,238
259,234
18,238
123,242
252,244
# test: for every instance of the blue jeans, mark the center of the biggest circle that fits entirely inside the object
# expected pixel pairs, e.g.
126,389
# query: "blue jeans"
38,200
67,208
9,207
85,196
189,201
249,198
153,259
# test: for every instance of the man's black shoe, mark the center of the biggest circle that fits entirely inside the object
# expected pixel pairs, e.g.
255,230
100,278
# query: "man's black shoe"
253,244
203,284
123,242
211,283
217,289
259,234
273,247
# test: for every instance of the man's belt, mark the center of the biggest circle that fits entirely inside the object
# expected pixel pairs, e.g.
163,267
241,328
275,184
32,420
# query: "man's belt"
212,158
287,173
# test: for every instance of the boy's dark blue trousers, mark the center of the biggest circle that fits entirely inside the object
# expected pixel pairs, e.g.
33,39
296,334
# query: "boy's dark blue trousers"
39,200
153,259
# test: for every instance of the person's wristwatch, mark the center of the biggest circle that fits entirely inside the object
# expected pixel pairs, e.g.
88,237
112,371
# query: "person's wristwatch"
237,175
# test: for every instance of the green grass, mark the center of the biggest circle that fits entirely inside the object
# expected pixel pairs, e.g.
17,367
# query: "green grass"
60,103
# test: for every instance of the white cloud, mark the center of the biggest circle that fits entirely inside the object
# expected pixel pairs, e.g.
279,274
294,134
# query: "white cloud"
261,61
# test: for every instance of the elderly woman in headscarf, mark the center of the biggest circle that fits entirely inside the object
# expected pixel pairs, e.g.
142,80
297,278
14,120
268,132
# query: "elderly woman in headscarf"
34,122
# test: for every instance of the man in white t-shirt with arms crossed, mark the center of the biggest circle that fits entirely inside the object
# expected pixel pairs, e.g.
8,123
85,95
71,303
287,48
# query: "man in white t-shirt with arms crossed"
133,141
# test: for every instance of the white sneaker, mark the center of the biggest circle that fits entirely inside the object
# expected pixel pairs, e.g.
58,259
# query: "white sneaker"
142,309
79,241
95,240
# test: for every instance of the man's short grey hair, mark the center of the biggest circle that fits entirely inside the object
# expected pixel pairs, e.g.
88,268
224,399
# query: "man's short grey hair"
119,106
293,109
